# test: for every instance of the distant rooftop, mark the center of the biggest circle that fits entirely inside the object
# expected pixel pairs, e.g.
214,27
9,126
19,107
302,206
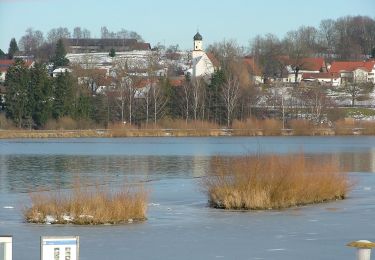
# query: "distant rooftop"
103,45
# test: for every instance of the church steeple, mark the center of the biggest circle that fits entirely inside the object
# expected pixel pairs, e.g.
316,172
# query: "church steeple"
198,42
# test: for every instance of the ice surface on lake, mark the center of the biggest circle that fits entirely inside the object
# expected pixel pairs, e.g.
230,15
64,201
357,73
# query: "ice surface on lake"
180,225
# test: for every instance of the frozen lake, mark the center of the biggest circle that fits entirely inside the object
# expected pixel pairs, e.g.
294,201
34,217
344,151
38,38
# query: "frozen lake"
180,225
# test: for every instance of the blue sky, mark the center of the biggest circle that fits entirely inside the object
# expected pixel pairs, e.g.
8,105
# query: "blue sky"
173,21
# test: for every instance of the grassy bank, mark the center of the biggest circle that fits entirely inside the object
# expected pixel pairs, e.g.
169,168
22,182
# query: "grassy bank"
87,206
274,182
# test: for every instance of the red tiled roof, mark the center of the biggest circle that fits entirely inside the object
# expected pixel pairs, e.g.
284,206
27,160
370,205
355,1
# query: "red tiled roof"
313,64
322,75
341,66
177,81
5,64
310,64
213,59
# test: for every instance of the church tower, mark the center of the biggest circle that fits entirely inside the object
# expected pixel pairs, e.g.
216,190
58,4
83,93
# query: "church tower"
198,46
198,42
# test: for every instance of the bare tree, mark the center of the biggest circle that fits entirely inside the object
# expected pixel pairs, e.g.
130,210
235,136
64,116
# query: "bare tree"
197,89
267,51
230,94
153,80
77,33
358,91
31,41
86,34
186,95
58,33
124,84
328,36
159,101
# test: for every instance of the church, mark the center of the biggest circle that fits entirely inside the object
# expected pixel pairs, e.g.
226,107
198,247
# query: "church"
203,64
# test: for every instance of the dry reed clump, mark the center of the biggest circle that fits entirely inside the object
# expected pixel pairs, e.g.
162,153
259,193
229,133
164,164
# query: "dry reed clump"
274,182
271,126
345,127
52,134
368,128
123,130
249,126
302,127
86,206
68,123
186,125
5,123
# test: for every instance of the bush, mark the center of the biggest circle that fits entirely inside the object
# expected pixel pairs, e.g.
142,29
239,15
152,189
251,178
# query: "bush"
85,206
274,182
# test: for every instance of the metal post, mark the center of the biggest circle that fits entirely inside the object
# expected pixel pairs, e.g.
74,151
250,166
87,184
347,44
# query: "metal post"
7,242
363,249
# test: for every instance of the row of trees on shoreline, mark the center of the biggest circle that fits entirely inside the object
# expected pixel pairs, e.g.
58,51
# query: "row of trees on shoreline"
34,98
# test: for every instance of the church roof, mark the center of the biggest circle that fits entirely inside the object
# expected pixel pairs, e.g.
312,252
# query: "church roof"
198,37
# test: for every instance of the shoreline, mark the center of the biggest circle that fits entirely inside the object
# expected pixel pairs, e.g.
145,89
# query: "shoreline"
121,133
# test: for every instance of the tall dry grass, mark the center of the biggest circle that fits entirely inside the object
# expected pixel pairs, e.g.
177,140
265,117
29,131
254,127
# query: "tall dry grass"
5,123
301,127
368,128
274,182
68,123
183,124
345,127
88,206
271,126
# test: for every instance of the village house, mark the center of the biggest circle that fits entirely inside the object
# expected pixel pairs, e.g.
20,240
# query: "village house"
354,71
296,68
5,64
323,78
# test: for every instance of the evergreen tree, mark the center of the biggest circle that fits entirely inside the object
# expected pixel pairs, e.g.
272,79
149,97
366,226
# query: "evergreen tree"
40,96
63,96
170,98
17,101
214,102
59,59
112,53
83,107
13,48
2,54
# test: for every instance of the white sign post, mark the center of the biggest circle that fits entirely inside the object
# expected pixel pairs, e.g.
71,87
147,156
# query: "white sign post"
6,247
59,248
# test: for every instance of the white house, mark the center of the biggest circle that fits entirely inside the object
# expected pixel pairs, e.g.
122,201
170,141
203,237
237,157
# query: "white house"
58,71
302,66
354,71
324,78
203,64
